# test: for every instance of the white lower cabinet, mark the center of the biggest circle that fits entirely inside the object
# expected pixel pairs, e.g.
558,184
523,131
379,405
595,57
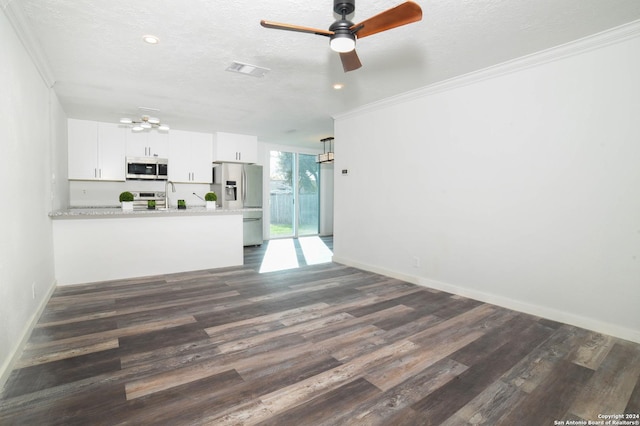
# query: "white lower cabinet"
190,157
96,151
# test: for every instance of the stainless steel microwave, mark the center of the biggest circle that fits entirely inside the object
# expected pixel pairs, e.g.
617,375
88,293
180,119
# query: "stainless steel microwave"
148,168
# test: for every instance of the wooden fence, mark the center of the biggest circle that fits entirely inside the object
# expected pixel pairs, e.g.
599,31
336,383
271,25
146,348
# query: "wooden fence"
282,209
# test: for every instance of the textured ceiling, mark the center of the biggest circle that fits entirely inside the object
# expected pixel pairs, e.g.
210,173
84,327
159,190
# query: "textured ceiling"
103,70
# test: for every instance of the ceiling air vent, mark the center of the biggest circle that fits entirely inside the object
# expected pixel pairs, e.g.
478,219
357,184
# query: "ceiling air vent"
248,69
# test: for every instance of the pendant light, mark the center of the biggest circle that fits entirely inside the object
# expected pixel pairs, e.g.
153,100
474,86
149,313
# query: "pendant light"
326,156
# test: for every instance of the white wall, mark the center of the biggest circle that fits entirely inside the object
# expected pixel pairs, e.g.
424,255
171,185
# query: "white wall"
326,198
32,127
521,188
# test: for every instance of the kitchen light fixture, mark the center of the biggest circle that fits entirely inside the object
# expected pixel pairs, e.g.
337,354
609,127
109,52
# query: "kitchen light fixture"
145,123
326,156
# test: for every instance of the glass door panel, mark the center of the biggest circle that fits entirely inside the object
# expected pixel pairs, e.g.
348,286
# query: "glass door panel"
308,195
282,192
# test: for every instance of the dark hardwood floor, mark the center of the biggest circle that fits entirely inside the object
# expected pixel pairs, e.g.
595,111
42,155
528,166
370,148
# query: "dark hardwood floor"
321,344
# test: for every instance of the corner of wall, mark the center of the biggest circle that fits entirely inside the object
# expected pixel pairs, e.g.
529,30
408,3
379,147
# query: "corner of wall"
10,362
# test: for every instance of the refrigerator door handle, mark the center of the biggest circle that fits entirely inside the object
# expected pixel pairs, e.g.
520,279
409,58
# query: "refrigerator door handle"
244,186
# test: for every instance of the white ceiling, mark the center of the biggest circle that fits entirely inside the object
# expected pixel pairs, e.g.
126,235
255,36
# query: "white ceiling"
103,70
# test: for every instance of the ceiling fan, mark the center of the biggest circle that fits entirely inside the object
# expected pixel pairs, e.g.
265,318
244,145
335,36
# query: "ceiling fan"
343,33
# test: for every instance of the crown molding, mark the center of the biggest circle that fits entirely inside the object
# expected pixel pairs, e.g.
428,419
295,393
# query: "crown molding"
583,45
18,20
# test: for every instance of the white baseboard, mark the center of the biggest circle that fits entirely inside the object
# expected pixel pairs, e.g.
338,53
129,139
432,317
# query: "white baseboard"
7,366
505,302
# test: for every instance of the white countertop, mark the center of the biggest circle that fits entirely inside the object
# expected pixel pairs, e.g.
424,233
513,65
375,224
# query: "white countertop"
117,212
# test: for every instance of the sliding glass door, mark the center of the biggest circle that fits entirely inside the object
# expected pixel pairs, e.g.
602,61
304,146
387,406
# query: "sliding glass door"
308,195
281,191
294,194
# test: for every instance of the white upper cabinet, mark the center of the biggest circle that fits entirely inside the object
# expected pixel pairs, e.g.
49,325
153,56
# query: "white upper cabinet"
96,151
111,147
190,157
235,148
83,149
152,143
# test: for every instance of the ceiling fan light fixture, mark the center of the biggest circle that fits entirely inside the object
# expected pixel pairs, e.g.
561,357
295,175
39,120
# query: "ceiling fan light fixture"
343,42
343,33
144,123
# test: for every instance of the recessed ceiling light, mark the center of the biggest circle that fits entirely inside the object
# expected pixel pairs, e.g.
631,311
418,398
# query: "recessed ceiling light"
151,39
338,86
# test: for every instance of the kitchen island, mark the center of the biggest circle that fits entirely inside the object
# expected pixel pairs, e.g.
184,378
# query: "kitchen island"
101,244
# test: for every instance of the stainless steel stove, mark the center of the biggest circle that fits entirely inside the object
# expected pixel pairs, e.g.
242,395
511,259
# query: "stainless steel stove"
140,198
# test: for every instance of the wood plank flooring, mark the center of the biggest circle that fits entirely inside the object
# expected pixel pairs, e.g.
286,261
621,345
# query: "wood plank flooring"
318,345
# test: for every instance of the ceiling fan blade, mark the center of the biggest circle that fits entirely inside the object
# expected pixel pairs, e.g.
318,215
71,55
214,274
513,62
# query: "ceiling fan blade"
350,61
290,27
403,14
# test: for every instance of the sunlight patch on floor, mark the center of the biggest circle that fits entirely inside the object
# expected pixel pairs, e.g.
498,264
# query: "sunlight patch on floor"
280,255
315,250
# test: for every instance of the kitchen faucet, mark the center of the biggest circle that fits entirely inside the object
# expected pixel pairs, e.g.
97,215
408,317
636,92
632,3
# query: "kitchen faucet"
166,192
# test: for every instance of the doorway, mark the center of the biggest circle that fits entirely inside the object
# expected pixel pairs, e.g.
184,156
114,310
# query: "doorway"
294,195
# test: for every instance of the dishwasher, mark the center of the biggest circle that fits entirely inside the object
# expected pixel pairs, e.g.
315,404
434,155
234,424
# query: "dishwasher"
252,228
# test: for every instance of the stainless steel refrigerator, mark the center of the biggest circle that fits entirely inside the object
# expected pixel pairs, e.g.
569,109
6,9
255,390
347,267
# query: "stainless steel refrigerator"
239,186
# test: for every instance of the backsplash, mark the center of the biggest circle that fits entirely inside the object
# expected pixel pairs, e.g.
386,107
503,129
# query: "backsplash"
105,194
